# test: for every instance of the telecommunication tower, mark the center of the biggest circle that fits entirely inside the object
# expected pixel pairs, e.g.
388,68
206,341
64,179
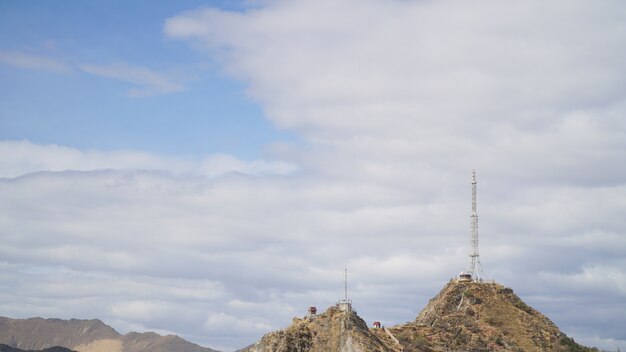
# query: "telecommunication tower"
345,284
345,304
475,271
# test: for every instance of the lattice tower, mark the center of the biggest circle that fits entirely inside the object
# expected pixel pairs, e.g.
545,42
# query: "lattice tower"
475,268
345,284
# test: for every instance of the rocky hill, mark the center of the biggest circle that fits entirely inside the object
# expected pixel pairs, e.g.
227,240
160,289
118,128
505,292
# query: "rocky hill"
464,316
468,316
334,330
86,336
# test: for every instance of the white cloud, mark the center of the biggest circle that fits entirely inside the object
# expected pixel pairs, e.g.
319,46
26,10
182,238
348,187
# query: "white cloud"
597,278
398,100
421,64
148,82
31,61
227,322
22,157
219,164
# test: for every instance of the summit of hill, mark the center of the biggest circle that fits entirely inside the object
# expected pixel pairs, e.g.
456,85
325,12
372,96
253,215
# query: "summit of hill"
471,316
336,329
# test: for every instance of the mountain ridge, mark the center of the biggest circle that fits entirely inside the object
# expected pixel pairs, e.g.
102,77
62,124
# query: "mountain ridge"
7,348
87,335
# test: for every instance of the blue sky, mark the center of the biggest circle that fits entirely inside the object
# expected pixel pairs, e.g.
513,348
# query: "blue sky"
211,112
208,169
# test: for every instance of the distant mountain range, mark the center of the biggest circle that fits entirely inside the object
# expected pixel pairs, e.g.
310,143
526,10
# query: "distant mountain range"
85,336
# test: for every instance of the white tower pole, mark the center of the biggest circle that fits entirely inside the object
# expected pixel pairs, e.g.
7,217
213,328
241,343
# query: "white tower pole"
475,268
345,284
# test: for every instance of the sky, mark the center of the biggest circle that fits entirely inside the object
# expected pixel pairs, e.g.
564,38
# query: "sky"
209,168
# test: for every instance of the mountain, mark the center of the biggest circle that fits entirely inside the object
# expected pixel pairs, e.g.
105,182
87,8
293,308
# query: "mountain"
337,329
464,316
151,342
38,333
86,336
7,348
468,316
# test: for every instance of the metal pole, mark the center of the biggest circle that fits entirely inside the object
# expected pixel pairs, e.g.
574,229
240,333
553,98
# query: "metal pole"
345,284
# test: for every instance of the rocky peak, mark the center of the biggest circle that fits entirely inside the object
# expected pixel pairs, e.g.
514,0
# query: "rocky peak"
334,330
481,317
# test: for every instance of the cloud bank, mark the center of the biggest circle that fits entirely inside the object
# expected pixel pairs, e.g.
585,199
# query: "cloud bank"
23,157
398,102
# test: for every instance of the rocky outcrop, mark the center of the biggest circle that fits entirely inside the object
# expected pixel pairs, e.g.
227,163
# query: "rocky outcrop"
334,330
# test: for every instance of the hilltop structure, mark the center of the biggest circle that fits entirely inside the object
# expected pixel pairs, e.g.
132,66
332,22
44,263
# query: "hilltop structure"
335,330
474,272
345,304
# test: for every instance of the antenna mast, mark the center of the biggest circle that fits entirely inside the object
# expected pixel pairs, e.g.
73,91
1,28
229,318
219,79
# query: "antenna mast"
345,304
345,284
475,268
